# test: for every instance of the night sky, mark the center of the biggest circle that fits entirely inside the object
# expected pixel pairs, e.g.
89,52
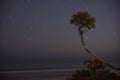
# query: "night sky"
39,30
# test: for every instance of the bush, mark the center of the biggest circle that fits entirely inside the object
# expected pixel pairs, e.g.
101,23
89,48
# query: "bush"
101,75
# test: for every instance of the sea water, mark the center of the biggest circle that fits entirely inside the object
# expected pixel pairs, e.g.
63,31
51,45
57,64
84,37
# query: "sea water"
50,74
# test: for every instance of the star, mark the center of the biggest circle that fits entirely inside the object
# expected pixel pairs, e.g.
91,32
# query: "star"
27,3
114,34
29,38
31,28
86,8
28,0
10,17
102,32
86,37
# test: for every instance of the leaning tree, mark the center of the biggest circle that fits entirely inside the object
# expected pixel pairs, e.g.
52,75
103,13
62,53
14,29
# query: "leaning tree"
84,21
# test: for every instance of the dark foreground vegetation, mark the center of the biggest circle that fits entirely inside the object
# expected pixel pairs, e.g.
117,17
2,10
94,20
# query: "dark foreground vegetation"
99,75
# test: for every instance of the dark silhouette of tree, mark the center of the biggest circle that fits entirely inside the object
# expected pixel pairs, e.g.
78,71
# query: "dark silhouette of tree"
80,75
85,75
93,66
84,21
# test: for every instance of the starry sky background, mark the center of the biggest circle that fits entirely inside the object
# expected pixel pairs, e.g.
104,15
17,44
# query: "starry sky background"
33,32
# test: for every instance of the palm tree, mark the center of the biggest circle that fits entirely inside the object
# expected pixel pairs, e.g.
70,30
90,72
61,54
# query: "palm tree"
84,21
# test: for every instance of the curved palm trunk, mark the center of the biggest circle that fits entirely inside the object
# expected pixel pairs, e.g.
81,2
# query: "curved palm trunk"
94,55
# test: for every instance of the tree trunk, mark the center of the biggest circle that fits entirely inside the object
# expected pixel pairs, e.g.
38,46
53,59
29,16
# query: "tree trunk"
94,55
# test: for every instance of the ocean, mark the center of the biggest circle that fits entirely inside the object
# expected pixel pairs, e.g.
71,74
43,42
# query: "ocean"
30,69
50,74
43,69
